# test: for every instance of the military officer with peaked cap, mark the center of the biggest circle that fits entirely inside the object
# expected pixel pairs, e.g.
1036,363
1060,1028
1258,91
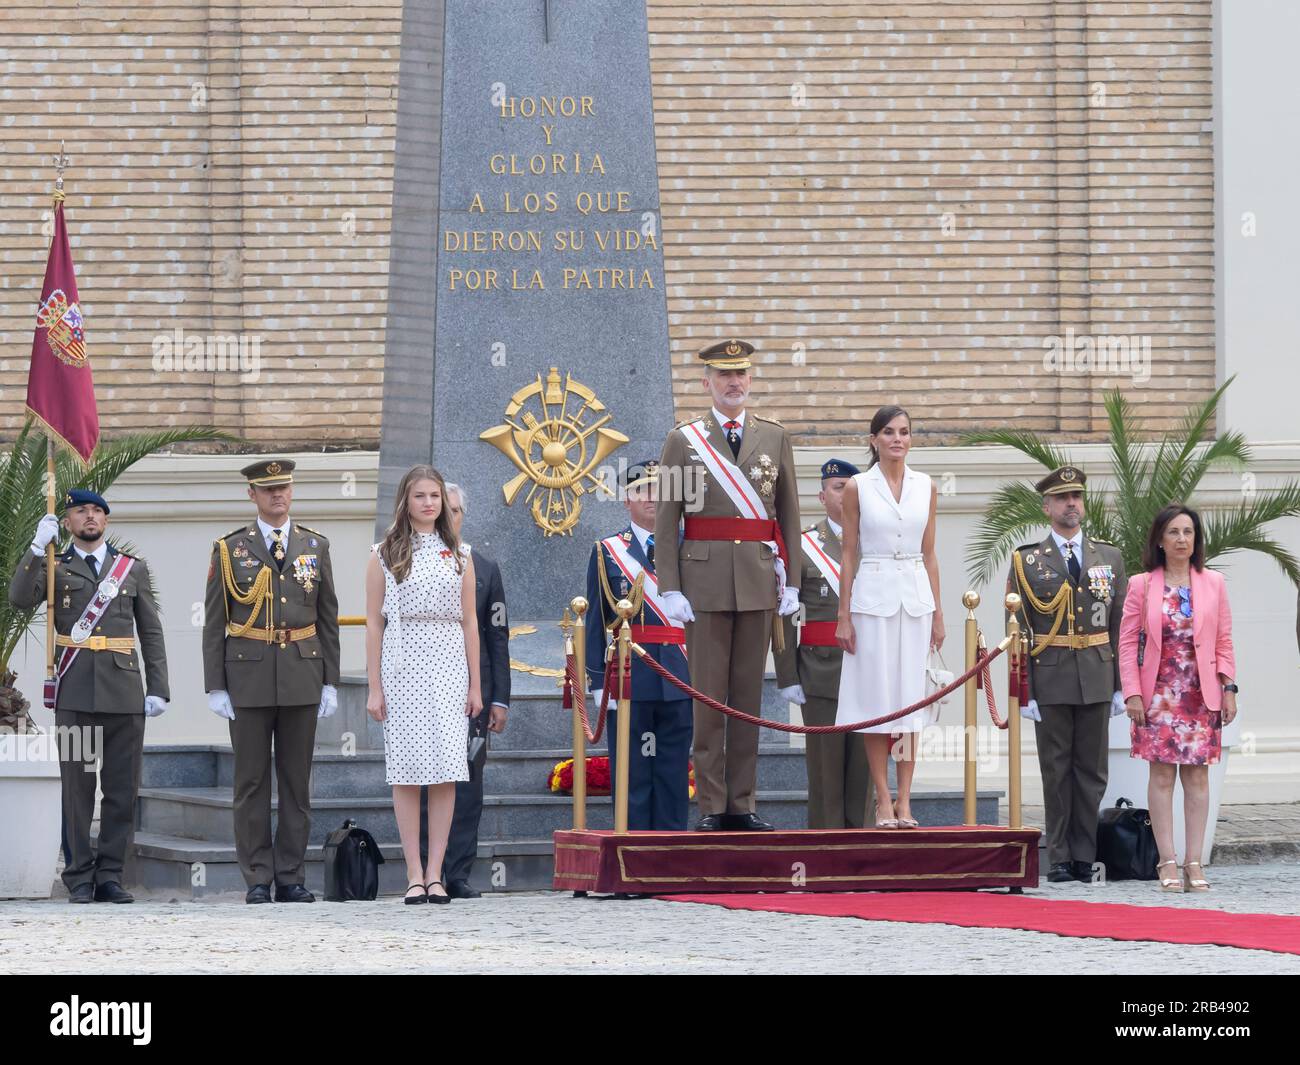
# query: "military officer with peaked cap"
623,567
729,478
102,601
1071,588
270,666
840,794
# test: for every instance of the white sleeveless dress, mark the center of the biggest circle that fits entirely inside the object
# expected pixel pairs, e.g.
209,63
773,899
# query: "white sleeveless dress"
423,668
892,606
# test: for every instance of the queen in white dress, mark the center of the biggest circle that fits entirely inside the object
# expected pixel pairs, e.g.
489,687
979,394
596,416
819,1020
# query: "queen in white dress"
422,660
889,618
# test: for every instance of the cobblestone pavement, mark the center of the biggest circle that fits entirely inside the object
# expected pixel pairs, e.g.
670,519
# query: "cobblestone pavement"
559,934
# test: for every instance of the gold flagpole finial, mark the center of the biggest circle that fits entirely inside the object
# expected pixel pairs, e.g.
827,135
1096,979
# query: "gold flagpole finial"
60,165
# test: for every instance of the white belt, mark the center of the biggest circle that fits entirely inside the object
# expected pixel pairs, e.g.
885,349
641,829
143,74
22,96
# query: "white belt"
897,556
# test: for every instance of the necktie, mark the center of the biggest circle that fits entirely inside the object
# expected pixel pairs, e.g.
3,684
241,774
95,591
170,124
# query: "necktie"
733,438
1072,562
277,546
93,563
650,548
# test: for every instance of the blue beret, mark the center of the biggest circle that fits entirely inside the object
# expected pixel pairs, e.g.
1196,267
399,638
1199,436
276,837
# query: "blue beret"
838,468
78,496
641,473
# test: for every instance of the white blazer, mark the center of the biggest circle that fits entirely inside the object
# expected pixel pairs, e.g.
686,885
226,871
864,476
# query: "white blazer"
891,574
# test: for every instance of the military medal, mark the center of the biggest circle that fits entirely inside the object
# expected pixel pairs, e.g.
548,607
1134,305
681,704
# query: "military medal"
304,571
67,602
1100,580
764,474
825,590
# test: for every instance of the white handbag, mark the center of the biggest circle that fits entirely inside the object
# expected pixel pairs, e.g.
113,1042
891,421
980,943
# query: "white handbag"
937,677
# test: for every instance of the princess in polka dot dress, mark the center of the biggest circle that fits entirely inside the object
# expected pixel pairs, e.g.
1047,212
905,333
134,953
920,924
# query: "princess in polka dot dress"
422,662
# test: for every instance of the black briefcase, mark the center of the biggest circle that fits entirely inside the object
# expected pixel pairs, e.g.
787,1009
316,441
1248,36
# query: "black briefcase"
352,862
1126,846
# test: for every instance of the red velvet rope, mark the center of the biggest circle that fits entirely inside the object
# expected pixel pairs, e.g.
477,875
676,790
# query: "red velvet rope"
578,696
816,730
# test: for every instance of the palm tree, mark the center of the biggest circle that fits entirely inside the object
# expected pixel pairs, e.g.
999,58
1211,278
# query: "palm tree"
22,502
1146,479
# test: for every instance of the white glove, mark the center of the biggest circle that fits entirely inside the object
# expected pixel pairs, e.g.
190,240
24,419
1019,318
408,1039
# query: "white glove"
789,602
596,695
678,607
1030,710
1117,704
154,705
793,694
780,575
46,530
219,703
329,701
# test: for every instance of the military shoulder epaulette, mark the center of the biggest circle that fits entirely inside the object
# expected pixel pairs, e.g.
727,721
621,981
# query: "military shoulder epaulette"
765,418
1027,547
1099,540
685,421
308,529
234,532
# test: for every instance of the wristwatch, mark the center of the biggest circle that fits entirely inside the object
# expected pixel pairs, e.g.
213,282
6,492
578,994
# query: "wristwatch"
1231,688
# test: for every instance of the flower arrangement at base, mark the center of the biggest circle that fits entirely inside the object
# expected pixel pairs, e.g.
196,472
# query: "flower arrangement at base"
597,776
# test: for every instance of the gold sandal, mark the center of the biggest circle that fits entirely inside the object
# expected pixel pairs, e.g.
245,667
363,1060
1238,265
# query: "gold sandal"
1190,883
1170,883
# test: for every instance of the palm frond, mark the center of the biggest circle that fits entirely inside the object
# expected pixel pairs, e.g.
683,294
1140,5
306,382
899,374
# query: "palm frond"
1241,528
1014,514
1021,440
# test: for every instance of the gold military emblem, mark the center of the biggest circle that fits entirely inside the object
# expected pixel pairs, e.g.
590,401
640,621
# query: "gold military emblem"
273,468
733,348
554,448
1067,474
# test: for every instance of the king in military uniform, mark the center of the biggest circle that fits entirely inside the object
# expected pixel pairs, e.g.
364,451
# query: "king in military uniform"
270,666
728,480
102,600
623,567
840,794
1071,588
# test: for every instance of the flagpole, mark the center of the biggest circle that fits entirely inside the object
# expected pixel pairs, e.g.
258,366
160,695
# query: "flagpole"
60,164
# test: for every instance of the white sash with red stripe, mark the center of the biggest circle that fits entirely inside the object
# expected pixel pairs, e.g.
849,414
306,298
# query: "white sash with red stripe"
632,569
99,602
730,476
815,551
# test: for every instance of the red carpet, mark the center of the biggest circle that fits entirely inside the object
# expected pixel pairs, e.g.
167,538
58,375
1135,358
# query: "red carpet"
1088,920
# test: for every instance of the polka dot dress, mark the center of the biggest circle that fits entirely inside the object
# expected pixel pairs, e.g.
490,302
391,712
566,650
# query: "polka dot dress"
423,668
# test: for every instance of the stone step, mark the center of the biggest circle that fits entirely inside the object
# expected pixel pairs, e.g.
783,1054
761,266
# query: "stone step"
193,869
207,813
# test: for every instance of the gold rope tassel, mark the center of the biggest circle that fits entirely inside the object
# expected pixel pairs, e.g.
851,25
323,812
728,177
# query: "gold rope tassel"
1062,602
259,594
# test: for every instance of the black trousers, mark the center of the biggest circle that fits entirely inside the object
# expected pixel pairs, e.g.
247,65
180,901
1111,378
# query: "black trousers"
118,741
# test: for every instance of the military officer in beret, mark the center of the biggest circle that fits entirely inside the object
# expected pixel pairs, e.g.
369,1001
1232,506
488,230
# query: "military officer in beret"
102,602
728,478
1072,589
623,567
271,666
840,794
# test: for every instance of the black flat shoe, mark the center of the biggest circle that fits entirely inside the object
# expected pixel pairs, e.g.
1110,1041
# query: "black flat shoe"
416,900
1061,873
437,900
82,893
112,891
460,889
747,823
1083,872
258,893
293,893
709,823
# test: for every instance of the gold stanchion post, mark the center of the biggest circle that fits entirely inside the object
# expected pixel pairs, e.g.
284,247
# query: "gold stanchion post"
577,640
970,600
1014,661
623,739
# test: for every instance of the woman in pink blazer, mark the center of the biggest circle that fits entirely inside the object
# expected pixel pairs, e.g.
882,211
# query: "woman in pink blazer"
1177,667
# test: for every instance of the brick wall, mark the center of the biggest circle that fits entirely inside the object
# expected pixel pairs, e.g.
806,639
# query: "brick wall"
896,206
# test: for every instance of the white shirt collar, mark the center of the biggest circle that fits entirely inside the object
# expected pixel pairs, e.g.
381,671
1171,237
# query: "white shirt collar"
266,531
723,419
641,535
836,527
100,553
1077,540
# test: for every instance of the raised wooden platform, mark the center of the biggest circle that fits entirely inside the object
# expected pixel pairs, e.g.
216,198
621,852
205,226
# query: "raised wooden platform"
929,859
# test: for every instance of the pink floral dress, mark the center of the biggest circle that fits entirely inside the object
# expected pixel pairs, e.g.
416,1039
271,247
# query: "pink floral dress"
1179,729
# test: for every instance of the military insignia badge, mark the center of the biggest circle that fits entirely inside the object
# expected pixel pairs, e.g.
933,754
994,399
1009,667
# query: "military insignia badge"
825,590
764,475
1101,582
240,550
304,571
